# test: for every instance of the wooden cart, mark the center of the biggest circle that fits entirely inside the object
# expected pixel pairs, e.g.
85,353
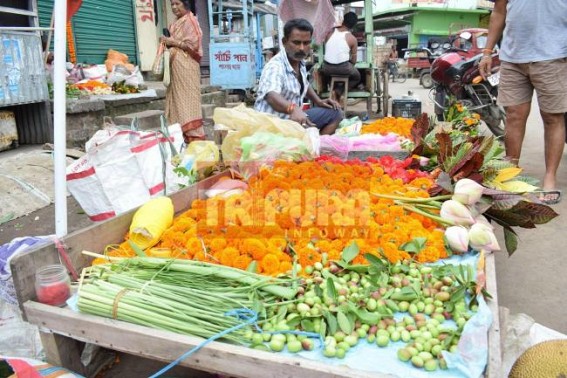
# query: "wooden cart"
64,332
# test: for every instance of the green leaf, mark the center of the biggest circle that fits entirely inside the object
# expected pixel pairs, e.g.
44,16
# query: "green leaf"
137,250
331,291
344,323
252,267
318,291
375,262
307,325
511,240
350,252
282,312
323,329
294,321
331,322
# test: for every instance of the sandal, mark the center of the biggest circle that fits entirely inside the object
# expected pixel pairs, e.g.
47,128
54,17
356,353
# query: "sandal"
548,197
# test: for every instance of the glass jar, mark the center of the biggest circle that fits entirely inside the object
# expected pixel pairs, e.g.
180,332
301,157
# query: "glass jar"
52,285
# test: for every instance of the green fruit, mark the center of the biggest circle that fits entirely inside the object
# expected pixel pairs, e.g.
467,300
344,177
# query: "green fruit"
430,365
339,336
351,340
257,339
343,345
405,336
404,355
425,356
403,306
371,338
417,361
382,341
276,345
412,351
294,346
330,352
340,353
261,347
267,336
436,350
395,336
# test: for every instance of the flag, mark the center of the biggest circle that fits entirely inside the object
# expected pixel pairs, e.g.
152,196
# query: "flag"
73,7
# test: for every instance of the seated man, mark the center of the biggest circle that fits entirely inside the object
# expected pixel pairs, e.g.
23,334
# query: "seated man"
340,51
283,84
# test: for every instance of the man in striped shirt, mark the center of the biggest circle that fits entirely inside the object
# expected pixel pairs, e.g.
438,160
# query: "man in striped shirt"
284,84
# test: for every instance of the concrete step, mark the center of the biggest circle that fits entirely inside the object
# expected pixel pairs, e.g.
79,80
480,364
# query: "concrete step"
217,98
233,98
233,104
147,119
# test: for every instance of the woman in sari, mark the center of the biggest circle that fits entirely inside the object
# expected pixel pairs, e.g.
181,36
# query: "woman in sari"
183,97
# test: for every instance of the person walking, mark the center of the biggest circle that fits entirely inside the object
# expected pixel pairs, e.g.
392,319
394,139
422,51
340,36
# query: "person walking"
340,52
183,96
533,55
284,85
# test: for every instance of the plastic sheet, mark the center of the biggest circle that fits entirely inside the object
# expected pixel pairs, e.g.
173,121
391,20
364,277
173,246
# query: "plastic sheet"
150,221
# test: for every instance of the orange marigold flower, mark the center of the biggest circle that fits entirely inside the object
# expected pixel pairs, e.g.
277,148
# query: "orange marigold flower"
270,264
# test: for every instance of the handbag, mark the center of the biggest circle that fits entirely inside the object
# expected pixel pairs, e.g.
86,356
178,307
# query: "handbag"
166,68
158,65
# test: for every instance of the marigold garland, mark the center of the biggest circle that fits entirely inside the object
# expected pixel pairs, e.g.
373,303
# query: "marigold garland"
318,207
399,125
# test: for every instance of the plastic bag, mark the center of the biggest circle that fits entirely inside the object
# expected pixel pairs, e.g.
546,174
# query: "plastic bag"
157,66
263,148
376,142
166,68
349,127
150,221
335,145
245,122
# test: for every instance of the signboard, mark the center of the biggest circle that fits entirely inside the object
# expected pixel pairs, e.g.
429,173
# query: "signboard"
233,65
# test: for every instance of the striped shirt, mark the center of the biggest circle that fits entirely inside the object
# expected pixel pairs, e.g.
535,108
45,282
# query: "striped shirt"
278,76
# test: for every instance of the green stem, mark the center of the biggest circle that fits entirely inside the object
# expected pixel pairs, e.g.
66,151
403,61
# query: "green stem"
413,200
429,215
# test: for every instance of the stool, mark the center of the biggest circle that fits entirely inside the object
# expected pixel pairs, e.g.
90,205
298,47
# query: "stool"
340,79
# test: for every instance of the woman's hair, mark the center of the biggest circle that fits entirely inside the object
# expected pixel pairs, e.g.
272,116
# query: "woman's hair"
297,23
190,5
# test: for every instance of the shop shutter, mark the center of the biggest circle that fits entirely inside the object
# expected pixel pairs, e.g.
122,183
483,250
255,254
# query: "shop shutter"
100,25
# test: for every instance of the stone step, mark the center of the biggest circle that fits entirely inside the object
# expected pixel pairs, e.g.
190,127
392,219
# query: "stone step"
217,98
233,98
233,104
147,119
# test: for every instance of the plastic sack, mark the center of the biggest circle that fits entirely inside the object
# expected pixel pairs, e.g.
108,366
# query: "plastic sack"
335,145
114,57
376,142
150,221
121,74
246,121
123,169
95,72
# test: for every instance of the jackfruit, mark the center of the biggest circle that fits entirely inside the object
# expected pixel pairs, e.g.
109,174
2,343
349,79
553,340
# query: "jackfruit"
544,360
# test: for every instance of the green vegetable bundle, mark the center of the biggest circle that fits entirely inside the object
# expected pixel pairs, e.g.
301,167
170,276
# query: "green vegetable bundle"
182,296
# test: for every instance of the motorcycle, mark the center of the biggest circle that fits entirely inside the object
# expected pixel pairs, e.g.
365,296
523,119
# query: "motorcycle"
460,78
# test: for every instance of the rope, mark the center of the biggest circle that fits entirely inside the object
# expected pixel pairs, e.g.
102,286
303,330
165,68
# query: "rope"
250,317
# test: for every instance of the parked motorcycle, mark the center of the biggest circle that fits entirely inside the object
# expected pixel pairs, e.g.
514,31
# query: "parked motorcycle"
460,78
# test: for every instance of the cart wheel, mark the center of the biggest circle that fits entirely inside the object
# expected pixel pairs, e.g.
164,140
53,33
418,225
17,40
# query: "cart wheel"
426,81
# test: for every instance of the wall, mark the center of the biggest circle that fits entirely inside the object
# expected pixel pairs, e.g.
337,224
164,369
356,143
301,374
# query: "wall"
385,5
440,24
146,33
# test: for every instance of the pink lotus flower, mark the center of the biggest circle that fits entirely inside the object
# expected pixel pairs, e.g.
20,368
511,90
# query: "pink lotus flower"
457,213
482,237
467,191
457,238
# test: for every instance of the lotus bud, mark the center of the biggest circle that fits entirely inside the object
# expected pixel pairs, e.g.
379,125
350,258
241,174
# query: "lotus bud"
457,213
482,237
457,238
467,191
481,219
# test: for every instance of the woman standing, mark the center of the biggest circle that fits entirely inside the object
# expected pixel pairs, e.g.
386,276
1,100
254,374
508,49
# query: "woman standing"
183,97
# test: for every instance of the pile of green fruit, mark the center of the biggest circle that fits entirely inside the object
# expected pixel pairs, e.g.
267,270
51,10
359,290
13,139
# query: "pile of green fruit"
346,304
